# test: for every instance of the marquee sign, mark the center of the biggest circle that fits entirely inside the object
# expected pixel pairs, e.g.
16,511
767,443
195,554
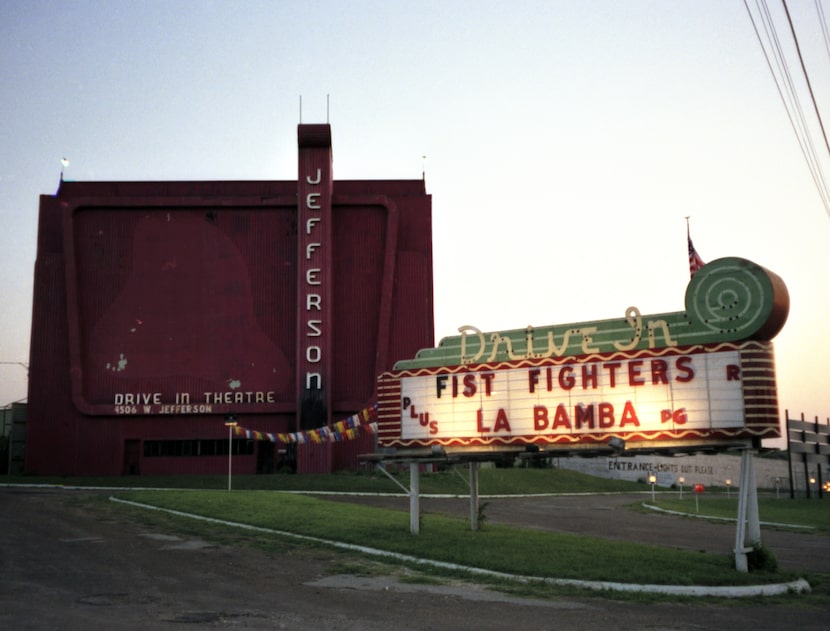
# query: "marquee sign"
703,375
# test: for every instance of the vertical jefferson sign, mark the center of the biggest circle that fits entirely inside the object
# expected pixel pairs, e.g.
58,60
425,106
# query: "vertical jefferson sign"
314,278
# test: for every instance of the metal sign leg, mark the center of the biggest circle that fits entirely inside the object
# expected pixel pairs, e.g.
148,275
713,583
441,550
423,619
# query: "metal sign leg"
474,525
748,529
414,498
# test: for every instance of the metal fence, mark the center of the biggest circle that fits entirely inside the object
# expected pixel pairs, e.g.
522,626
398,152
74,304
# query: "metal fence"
808,447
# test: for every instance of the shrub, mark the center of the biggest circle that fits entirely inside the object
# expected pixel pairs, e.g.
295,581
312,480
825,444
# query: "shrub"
761,559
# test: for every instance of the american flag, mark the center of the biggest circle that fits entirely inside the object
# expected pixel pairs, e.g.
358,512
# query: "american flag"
695,262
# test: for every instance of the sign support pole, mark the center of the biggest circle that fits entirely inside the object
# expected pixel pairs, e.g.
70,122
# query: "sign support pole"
474,525
748,522
414,498
413,492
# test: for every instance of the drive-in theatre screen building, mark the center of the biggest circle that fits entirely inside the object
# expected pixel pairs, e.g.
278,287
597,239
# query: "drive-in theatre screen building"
163,310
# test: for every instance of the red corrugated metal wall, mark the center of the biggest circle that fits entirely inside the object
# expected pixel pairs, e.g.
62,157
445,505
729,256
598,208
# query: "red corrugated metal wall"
176,292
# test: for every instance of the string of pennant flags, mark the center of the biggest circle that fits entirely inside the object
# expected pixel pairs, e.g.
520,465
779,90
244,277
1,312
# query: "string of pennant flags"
348,429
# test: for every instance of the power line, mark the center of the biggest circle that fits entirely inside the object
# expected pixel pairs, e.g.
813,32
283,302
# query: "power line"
823,22
789,95
806,77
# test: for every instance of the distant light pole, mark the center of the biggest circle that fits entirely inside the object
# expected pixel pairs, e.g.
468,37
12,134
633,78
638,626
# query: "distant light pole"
680,481
728,486
651,480
230,423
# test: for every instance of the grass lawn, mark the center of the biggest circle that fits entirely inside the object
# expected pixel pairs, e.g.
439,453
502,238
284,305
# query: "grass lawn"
494,547
256,501
808,515
492,481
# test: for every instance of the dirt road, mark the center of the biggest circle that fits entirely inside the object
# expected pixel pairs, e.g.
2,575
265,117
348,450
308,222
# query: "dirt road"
68,565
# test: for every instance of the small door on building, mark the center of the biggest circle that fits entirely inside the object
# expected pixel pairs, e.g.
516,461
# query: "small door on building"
265,456
132,457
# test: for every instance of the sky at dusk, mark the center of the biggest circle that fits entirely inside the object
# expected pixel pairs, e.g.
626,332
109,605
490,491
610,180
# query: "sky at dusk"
563,143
